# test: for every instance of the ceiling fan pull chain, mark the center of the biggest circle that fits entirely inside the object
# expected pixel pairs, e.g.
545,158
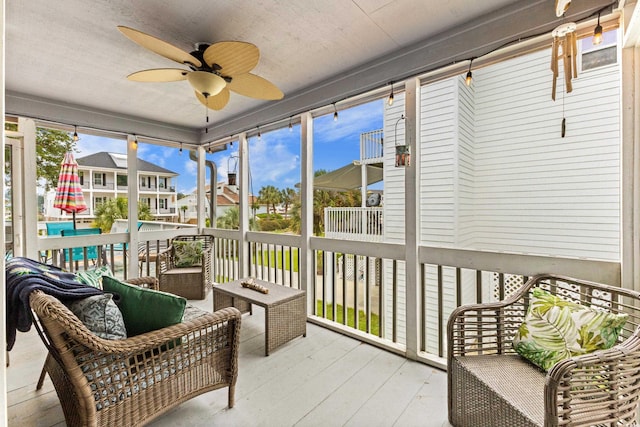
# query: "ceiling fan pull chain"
206,112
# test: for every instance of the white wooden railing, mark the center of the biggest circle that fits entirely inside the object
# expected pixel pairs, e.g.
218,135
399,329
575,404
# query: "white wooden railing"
371,146
362,224
362,290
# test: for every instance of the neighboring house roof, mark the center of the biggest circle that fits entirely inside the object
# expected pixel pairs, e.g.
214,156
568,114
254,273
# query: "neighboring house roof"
118,161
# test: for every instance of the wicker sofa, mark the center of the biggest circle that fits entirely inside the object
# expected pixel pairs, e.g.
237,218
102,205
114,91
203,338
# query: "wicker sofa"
491,385
132,381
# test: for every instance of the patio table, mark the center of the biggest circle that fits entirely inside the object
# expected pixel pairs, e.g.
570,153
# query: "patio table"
285,309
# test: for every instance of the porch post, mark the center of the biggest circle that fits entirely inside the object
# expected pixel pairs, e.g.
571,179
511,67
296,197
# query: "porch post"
411,216
630,152
132,194
244,208
200,190
305,259
3,294
29,182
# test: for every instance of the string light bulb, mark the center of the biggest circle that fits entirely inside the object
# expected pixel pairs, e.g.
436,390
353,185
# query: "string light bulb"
135,141
290,125
469,78
390,100
259,134
75,134
597,33
335,113
180,149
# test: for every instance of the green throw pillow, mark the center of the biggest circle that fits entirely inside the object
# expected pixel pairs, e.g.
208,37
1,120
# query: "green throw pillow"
187,253
93,277
555,329
144,309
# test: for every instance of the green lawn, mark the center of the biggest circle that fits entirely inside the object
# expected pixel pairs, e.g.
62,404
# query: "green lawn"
362,318
273,258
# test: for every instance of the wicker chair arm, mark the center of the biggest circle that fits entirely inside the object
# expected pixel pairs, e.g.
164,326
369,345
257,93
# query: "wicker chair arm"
48,307
164,261
484,328
600,386
145,282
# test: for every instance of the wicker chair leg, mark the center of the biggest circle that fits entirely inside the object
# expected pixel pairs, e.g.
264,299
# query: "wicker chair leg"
232,390
43,373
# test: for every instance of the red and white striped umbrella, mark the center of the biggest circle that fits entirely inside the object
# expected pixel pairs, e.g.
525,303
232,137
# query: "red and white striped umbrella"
69,195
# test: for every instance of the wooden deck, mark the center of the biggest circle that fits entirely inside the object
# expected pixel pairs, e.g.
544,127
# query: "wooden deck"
325,379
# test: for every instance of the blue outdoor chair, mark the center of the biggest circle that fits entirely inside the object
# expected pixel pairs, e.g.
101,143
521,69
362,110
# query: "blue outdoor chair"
77,253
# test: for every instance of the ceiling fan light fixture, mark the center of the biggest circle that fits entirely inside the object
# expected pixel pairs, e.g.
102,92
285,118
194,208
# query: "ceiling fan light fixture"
208,84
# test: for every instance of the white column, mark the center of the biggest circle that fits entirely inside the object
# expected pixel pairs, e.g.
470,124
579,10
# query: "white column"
3,294
200,190
132,193
29,182
244,206
306,214
412,206
630,157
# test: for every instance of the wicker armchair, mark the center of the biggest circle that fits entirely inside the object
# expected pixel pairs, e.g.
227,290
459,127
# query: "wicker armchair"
491,385
132,381
189,282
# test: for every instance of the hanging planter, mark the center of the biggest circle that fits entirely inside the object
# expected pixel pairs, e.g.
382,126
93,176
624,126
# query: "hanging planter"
232,175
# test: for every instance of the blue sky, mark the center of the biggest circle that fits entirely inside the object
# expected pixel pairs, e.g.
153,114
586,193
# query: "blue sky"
274,158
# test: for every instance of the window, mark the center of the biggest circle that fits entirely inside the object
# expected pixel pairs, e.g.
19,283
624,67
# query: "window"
81,177
163,204
163,182
605,53
143,182
99,179
97,201
122,180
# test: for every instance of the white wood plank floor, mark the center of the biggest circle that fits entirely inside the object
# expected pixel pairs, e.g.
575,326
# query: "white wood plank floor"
325,379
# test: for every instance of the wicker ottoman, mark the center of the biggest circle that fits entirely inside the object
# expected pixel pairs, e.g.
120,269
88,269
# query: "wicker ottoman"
186,282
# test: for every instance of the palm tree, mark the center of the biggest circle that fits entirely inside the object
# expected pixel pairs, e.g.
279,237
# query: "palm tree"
270,196
288,197
118,208
230,220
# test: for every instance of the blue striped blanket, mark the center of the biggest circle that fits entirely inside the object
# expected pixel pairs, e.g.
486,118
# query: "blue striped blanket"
23,276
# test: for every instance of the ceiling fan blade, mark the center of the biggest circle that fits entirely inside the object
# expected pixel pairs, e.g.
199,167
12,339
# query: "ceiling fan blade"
216,102
232,57
255,87
159,75
160,46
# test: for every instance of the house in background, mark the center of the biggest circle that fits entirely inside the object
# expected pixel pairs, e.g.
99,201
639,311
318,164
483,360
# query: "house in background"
103,176
227,197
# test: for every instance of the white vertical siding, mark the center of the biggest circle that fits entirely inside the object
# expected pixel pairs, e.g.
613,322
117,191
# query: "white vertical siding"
536,192
394,229
438,136
465,163
497,175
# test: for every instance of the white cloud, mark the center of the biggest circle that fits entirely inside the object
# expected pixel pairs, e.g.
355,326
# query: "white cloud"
90,144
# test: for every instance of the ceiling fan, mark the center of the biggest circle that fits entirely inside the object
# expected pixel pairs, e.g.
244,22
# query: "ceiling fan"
214,69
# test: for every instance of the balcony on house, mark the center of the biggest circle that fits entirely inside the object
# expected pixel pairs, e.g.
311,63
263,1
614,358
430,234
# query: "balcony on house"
362,224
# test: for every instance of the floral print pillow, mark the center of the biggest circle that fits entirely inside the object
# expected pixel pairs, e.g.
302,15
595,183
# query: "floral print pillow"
187,254
555,329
